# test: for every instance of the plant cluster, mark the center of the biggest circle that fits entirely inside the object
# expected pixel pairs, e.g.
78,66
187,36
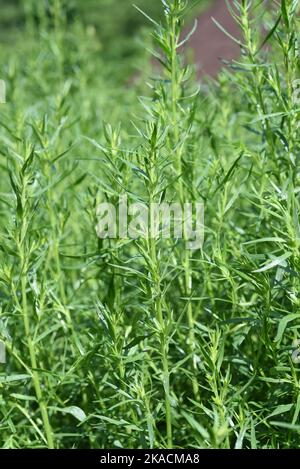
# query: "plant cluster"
143,343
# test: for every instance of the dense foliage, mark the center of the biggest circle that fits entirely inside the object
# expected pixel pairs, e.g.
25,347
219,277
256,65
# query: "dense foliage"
140,343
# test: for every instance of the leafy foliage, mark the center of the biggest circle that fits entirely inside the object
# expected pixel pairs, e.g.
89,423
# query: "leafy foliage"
142,343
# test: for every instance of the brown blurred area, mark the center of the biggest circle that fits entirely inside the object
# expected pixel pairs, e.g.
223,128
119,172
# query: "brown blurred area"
210,44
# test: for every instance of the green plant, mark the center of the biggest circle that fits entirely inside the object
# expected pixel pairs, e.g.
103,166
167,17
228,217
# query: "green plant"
137,341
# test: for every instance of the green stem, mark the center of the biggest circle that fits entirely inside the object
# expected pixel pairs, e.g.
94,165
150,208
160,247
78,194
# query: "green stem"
178,162
34,366
30,343
164,348
157,294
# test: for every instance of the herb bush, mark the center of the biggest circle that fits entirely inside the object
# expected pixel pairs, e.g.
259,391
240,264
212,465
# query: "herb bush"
143,343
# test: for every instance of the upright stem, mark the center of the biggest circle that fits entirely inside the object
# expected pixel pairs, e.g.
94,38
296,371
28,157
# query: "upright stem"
164,348
188,281
157,295
30,343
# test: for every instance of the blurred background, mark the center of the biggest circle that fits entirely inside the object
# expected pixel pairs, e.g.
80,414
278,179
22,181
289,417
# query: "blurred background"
120,29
